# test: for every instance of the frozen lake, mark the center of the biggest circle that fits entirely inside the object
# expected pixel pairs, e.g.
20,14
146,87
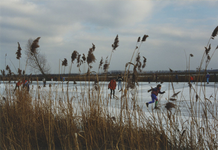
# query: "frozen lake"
136,98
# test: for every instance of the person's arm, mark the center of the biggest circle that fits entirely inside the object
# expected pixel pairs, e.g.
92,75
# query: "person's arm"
161,92
150,90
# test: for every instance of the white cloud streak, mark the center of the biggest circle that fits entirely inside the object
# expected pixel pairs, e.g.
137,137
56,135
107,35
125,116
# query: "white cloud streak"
65,26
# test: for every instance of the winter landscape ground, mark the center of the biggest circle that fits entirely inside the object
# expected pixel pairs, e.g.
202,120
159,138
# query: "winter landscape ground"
187,114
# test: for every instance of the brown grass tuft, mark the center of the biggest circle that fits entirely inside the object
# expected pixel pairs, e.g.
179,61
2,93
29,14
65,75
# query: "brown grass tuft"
19,71
73,56
34,46
91,57
64,62
106,65
175,94
172,99
169,106
139,38
144,62
144,38
84,58
18,51
207,50
115,44
101,63
215,32
3,72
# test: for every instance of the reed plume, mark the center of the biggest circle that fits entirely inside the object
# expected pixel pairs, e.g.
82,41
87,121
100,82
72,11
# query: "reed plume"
115,44
101,63
73,56
169,106
138,62
84,58
215,32
64,62
144,62
175,94
19,71
144,38
18,53
207,50
139,38
7,67
3,72
34,46
91,57
106,65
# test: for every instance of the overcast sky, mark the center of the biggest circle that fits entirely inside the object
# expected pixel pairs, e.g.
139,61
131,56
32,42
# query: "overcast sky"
67,25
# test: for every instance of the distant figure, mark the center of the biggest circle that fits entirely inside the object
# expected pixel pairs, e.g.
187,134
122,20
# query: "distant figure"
44,82
112,87
25,82
215,78
154,94
119,79
191,79
28,85
156,78
17,85
177,79
207,77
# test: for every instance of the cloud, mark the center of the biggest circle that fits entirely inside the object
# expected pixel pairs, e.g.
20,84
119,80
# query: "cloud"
65,26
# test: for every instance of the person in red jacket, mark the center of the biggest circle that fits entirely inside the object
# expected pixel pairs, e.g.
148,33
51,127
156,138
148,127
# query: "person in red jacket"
17,85
112,86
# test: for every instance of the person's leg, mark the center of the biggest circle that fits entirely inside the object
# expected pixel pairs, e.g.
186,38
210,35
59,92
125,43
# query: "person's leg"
153,97
113,93
156,103
15,88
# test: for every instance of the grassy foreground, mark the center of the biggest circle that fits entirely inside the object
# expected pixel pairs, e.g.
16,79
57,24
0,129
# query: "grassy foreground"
47,123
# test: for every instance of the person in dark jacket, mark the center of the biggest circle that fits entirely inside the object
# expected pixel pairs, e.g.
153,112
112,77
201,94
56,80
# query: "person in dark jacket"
207,77
119,79
112,87
154,93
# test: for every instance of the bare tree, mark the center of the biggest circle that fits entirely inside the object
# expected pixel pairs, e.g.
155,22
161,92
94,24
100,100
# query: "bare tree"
35,60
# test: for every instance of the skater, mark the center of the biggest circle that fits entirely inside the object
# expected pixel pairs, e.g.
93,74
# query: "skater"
28,85
207,77
154,94
25,82
119,79
191,79
215,78
112,87
17,85
44,82
177,79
